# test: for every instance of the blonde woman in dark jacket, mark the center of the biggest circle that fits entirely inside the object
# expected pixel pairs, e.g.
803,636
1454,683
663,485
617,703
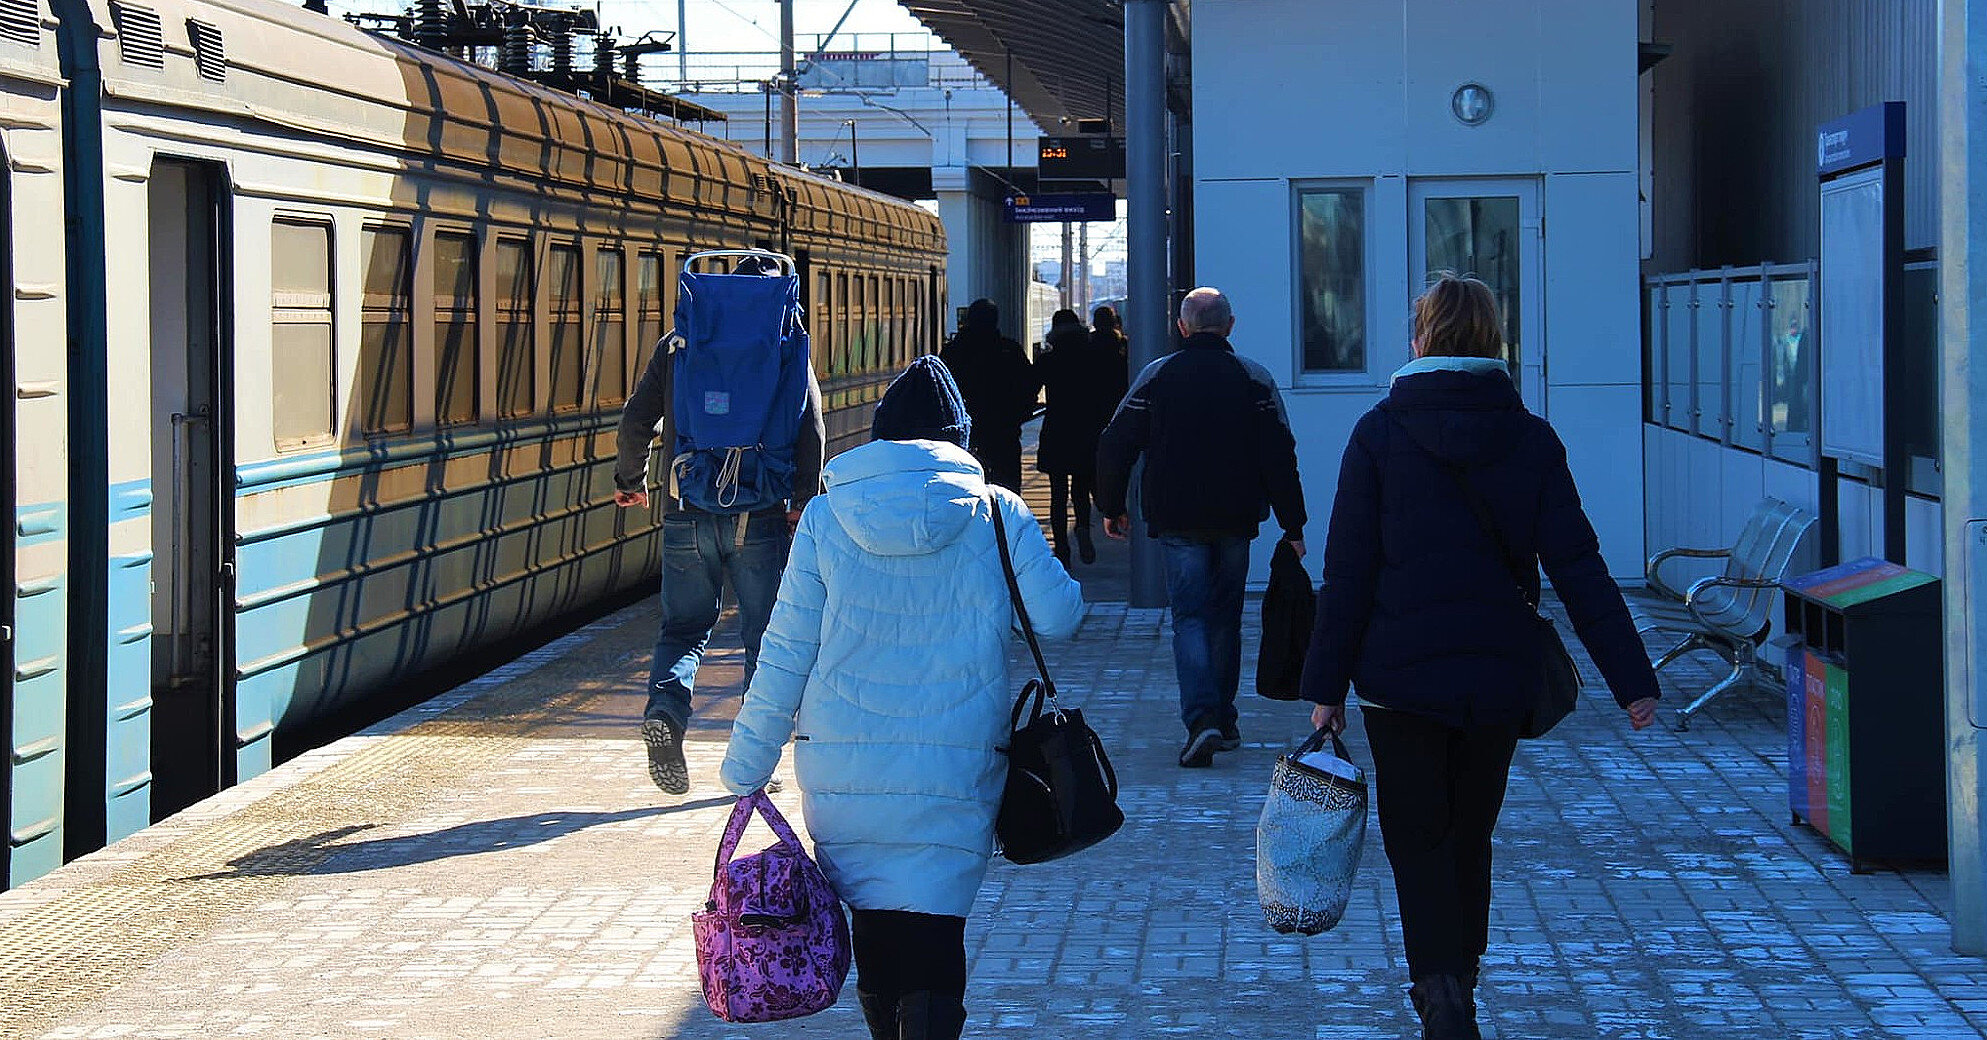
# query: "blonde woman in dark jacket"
1421,614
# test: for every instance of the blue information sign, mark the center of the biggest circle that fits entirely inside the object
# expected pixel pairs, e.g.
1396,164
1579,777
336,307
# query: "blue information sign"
1036,209
1860,138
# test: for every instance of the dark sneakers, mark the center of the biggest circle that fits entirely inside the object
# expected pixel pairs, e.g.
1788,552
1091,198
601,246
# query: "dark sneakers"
1198,751
666,766
1231,738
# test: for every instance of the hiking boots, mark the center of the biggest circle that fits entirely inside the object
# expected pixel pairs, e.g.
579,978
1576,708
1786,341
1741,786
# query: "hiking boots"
1446,1009
664,739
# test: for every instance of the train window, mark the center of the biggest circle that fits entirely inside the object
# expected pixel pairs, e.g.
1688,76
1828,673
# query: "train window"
517,331
563,280
649,314
845,322
872,356
300,364
821,325
386,333
610,327
456,358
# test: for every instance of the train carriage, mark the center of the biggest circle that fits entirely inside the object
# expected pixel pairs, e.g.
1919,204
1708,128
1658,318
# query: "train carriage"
354,324
34,466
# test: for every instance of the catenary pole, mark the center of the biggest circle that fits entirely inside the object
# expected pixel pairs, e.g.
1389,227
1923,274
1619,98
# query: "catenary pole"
1147,306
789,102
682,54
1962,140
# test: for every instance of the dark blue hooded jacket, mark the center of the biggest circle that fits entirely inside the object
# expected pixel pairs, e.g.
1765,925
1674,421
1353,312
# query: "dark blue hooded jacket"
1418,612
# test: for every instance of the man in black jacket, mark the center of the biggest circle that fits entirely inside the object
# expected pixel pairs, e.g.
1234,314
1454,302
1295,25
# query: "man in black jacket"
999,384
1218,458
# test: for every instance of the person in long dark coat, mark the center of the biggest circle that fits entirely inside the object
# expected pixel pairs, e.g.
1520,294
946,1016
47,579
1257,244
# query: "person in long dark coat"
999,385
1450,498
1083,378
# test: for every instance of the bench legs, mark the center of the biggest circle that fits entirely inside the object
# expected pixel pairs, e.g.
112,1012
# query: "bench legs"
1745,672
1684,646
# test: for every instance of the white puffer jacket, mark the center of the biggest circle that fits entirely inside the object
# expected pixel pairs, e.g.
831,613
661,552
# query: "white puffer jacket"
885,661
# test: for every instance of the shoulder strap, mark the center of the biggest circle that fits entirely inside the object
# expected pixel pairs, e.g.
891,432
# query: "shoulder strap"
1014,594
1477,505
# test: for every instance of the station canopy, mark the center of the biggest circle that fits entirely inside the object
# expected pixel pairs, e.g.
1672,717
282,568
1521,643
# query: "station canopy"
1068,55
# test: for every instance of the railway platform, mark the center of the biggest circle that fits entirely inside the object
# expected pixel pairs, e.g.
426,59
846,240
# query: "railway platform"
494,863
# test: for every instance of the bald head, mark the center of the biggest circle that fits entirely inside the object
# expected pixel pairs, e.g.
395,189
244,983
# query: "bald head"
1206,310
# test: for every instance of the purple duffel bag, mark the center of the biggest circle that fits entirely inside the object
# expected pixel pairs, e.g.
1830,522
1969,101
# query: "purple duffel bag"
772,942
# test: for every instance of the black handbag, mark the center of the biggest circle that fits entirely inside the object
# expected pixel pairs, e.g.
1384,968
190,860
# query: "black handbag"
1555,686
1061,795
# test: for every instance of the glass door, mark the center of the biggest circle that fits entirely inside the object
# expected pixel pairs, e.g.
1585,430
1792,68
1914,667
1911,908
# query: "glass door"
1489,229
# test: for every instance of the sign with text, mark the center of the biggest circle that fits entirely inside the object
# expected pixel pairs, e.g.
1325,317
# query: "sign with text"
1080,158
1038,209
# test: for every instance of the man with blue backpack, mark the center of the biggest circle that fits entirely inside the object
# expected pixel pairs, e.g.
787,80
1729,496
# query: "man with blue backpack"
732,394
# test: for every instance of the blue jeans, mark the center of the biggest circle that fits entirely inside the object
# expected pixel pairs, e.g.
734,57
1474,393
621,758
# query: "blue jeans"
699,550
1204,583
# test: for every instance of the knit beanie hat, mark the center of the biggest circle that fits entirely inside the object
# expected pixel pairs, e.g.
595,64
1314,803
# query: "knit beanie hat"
923,404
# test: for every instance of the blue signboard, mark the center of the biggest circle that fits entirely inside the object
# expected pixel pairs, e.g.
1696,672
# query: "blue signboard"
1861,138
1035,209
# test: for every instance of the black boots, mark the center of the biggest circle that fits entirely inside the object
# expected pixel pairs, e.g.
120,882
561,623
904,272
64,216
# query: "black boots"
930,1016
880,1013
1086,550
1447,1010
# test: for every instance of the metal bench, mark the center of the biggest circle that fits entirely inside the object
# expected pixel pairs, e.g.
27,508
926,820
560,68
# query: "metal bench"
1728,613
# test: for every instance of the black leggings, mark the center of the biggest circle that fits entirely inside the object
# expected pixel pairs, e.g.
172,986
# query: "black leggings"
899,952
1440,790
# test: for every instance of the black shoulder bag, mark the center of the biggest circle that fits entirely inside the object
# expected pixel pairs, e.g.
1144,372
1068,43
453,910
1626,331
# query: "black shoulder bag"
1061,795
1555,686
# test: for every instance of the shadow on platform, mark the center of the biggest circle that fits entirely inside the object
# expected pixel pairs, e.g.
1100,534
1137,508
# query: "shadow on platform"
322,853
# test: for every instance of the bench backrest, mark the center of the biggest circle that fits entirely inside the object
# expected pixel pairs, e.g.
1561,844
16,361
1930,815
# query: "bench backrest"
1766,548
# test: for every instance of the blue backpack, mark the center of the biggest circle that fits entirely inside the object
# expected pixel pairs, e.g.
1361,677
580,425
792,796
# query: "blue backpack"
740,387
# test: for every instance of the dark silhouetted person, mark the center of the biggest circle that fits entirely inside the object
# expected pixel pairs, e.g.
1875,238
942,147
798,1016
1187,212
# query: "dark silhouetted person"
999,385
1083,378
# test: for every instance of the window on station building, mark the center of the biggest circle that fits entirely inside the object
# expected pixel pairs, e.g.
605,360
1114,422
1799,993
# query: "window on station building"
517,332
456,359
385,391
300,338
562,279
610,327
649,315
1331,278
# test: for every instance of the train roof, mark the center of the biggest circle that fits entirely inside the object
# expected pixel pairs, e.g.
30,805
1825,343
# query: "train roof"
273,63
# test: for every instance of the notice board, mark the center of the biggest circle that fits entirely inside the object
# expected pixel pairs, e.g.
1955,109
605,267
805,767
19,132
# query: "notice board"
1852,317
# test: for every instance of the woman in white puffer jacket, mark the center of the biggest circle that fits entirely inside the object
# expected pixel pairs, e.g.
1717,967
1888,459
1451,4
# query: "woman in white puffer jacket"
886,663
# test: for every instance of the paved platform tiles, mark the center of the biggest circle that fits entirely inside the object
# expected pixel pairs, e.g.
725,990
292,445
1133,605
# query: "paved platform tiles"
495,864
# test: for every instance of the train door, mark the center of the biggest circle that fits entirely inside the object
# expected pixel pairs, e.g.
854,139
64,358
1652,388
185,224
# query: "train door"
1490,229
193,732
935,311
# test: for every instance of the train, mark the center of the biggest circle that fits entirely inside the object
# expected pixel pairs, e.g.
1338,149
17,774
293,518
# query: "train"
319,340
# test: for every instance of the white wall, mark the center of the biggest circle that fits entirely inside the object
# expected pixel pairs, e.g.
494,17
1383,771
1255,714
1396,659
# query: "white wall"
1288,91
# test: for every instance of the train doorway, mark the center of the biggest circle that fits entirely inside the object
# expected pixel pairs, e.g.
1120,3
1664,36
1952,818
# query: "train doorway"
193,738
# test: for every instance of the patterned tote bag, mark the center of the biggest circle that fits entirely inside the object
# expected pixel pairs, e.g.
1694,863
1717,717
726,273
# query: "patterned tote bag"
1307,842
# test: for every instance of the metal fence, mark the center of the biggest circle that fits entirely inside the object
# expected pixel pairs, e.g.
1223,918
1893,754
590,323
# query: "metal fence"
1730,355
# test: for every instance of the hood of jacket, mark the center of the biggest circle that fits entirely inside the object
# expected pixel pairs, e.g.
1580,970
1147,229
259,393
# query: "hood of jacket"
904,498
1469,418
